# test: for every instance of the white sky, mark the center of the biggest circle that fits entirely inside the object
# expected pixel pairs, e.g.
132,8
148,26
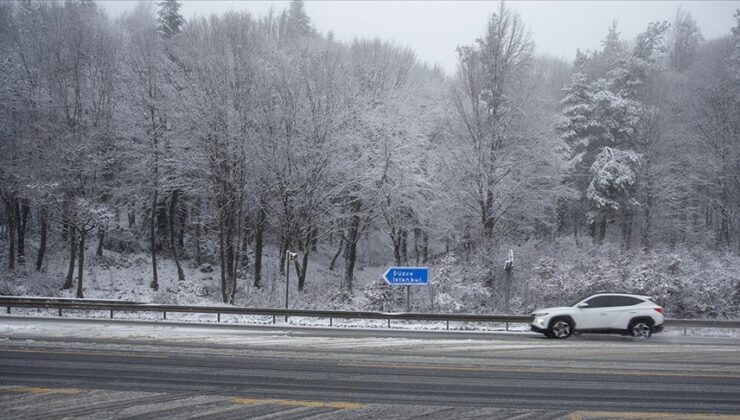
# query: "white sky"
435,28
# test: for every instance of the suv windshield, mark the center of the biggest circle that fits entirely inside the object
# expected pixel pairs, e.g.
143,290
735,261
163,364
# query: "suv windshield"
575,302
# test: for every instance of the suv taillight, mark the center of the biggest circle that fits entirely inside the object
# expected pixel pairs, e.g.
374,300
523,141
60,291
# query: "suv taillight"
659,310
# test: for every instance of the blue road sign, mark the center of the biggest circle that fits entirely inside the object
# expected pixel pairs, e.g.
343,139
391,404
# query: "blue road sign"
407,276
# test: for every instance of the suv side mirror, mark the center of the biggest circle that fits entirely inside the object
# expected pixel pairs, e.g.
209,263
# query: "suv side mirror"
582,305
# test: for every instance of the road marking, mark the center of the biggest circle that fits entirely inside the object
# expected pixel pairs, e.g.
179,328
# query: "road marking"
624,415
39,390
84,353
297,403
533,370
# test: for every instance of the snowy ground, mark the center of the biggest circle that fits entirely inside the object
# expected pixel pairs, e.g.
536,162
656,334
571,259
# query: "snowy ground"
688,283
126,277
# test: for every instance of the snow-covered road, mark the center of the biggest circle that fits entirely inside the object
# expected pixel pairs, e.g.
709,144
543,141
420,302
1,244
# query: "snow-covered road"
102,369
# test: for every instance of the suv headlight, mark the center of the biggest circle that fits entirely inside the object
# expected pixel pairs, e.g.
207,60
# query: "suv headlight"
539,314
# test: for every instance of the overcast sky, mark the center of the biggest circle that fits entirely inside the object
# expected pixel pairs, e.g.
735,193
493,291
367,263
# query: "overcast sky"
435,28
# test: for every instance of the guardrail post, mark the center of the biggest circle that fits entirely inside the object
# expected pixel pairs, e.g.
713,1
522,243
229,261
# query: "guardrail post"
165,314
448,325
389,322
507,326
331,321
273,319
218,317
60,312
8,310
111,314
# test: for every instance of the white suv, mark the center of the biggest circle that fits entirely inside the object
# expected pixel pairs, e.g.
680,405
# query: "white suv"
620,313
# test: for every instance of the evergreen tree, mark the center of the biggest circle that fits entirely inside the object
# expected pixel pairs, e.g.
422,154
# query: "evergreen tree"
298,23
601,121
170,20
612,45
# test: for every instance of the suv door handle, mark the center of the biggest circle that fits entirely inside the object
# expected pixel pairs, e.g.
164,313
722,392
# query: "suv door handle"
603,313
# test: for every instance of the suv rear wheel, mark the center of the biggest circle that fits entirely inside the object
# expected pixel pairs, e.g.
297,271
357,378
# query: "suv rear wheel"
641,329
561,328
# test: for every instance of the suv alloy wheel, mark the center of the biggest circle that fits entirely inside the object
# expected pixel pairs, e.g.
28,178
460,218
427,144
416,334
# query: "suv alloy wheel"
561,328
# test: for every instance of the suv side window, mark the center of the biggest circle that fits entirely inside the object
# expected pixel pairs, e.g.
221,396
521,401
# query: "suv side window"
599,302
624,301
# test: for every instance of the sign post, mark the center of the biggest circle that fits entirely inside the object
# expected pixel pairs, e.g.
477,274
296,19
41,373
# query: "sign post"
407,276
408,298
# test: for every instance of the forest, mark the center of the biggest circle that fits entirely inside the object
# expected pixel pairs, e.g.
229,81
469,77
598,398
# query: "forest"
154,157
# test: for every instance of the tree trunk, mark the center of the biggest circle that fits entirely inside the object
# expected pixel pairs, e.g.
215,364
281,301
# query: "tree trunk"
81,265
396,239
132,216
228,256
44,227
101,241
601,228
336,255
153,241
258,237
487,216
12,225
182,215
404,247
304,267
244,250
417,253
350,249
425,246
221,259
234,248
22,211
171,219
196,213
65,228
230,269
626,228
72,258
285,243
314,240
648,216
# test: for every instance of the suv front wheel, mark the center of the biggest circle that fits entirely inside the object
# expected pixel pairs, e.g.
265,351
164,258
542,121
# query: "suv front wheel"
561,328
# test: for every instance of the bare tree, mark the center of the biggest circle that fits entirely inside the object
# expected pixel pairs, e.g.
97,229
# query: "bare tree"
144,79
485,108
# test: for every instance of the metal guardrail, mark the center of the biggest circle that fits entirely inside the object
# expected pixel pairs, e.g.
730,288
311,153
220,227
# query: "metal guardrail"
702,323
122,306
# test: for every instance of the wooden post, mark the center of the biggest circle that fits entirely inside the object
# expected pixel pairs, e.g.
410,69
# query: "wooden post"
508,268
